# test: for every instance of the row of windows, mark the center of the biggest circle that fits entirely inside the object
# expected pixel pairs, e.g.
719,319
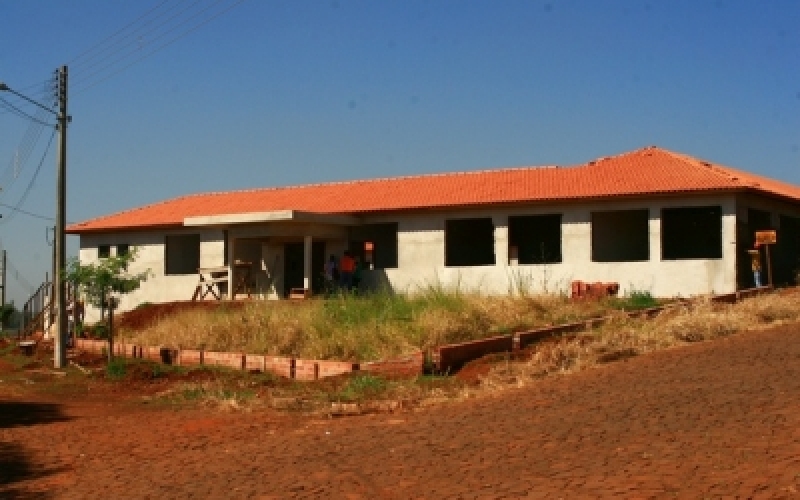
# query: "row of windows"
616,236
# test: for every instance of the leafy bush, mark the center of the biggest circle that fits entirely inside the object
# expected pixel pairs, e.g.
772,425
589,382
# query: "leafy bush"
636,299
116,369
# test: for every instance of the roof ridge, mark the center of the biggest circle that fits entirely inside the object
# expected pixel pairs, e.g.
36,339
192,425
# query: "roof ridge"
726,173
370,180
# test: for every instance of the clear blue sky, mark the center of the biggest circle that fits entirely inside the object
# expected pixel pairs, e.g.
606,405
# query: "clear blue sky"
290,92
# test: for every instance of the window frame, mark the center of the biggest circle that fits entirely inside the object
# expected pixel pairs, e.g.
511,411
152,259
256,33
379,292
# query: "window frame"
455,235
186,267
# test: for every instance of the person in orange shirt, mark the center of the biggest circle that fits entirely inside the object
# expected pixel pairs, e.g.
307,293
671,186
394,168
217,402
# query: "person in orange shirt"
346,267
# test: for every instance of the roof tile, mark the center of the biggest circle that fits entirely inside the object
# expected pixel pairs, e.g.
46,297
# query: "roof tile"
645,171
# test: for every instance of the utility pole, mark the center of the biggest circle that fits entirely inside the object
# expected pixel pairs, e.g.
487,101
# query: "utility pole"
59,345
3,286
3,289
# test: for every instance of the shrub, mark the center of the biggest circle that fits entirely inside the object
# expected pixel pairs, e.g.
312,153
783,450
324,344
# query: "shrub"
636,299
116,369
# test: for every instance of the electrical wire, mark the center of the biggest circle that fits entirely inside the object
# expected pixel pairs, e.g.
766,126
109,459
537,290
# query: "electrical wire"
20,157
29,214
18,275
25,194
134,39
98,76
100,45
23,114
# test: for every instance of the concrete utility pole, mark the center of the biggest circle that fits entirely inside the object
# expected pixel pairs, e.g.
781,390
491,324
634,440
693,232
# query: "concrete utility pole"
3,288
59,345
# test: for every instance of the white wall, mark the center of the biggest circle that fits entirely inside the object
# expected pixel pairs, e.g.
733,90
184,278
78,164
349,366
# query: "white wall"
150,249
421,254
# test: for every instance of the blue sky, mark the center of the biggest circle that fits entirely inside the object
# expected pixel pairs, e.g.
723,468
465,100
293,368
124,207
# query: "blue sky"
292,92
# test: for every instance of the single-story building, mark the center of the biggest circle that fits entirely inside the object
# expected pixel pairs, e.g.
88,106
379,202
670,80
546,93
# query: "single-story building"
651,220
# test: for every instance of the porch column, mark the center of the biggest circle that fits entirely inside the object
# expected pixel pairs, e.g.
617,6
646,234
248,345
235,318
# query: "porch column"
307,262
229,260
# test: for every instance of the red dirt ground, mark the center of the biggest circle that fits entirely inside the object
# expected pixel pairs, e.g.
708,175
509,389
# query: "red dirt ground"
712,420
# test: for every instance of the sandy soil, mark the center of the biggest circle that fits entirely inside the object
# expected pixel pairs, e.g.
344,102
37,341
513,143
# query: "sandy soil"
712,420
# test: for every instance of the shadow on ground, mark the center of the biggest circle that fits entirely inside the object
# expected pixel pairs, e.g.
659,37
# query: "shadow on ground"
16,466
19,414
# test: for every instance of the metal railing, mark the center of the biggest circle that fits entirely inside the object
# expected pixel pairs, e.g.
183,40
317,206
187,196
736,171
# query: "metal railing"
38,311
36,308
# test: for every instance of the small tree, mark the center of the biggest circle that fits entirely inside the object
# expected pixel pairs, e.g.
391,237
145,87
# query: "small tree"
99,281
7,315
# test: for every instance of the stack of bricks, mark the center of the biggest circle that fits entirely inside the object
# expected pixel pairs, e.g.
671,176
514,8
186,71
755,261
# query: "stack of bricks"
582,290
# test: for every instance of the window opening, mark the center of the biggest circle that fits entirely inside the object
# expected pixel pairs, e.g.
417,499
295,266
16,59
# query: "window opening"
536,237
620,236
469,242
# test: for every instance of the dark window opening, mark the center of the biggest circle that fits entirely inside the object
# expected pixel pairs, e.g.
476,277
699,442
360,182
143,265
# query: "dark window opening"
123,249
182,254
537,238
691,233
383,240
758,220
787,252
469,242
103,251
620,236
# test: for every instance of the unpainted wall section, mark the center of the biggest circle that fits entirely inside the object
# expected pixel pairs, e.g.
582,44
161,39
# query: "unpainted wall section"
421,253
150,248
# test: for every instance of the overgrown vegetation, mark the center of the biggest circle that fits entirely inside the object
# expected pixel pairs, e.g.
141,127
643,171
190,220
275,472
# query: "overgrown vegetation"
367,327
621,337
625,337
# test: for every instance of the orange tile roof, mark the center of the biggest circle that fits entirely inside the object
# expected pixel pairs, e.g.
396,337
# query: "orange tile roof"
645,171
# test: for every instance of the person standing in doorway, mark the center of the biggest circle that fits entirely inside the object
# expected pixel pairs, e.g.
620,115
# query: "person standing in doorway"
755,265
346,267
331,274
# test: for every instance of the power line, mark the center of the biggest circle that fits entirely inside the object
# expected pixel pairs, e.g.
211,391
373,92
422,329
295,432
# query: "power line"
17,275
21,113
32,181
19,158
134,47
29,214
74,62
136,38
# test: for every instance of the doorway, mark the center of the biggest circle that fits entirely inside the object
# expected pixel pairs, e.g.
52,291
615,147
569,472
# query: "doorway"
293,266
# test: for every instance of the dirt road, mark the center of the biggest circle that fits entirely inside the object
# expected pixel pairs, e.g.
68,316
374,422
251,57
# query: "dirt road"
712,420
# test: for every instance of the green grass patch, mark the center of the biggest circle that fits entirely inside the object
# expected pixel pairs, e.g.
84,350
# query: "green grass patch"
361,387
116,369
635,300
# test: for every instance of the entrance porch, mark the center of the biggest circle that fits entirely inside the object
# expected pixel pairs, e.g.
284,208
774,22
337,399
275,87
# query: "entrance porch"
272,255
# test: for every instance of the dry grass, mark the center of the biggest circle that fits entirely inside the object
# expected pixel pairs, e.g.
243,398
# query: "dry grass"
388,326
624,337
346,327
